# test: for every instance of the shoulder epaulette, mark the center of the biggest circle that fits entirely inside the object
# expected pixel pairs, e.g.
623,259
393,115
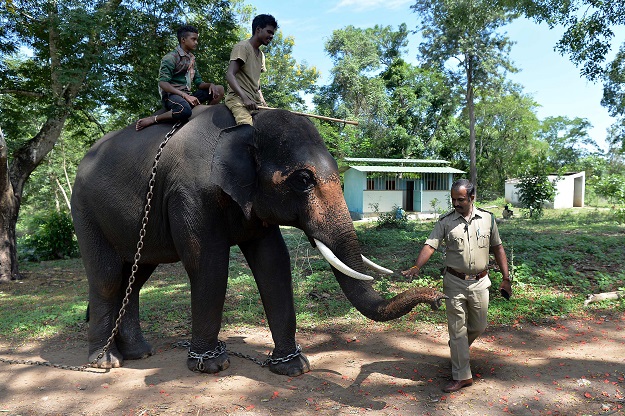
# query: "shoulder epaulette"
446,214
492,217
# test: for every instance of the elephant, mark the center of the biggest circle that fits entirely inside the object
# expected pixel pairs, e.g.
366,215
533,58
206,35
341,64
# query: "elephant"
216,185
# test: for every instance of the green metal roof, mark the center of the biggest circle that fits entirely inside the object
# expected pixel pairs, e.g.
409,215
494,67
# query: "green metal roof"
407,169
380,160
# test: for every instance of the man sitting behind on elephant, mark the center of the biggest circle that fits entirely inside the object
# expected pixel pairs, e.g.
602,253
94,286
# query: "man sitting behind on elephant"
177,73
247,62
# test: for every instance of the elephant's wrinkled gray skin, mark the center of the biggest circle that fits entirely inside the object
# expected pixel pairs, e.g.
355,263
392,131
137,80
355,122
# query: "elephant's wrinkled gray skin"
216,186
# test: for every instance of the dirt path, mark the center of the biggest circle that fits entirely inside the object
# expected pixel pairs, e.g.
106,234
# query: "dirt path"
565,367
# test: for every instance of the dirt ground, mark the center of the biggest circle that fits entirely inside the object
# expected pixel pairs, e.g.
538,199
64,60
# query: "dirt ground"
561,367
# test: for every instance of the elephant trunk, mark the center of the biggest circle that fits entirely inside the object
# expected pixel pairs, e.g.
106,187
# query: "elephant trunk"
361,293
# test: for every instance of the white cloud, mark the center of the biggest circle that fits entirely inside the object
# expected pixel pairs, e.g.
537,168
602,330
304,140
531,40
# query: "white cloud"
363,5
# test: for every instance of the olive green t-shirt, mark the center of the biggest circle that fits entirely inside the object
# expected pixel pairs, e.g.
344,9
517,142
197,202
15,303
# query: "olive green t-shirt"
467,243
248,76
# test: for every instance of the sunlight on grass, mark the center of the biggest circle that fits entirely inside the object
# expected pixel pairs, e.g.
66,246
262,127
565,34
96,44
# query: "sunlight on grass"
556,262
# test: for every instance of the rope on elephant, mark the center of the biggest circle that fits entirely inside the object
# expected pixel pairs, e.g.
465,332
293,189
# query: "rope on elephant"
337,120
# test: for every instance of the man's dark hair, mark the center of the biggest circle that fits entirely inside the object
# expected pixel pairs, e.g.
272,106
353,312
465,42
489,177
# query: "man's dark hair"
464,183
262,21
183,32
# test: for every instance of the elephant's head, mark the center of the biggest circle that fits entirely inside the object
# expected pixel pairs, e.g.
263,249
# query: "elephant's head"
281,172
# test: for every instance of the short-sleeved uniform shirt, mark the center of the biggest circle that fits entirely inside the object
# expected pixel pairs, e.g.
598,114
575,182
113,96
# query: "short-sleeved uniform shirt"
467,242
248,76
179,69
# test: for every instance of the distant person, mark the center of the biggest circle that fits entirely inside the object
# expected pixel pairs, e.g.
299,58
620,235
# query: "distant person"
247,62
507,213
470,234
177,74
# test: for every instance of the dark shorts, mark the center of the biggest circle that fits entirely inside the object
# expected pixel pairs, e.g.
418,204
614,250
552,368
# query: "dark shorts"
180,108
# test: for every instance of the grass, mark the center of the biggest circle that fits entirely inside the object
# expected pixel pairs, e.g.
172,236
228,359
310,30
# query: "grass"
556,262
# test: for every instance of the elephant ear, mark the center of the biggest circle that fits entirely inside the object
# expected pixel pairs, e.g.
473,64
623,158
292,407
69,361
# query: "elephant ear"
234,165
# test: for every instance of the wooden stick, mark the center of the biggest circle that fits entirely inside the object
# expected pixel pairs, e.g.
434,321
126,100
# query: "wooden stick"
338,120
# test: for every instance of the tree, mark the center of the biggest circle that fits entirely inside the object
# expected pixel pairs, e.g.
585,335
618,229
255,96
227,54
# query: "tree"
80,57
568,142
466,31
357,90
422,107
588,40
403,110
506,126
286,79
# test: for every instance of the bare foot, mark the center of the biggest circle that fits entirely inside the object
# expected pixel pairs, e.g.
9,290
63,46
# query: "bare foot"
145,122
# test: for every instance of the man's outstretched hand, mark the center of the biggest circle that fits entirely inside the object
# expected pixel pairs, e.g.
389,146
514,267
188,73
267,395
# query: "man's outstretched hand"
411,272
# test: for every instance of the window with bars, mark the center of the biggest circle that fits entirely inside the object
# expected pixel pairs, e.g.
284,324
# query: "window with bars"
435,182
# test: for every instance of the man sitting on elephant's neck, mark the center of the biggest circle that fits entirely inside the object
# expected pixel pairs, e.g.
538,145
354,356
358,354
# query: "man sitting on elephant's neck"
247,62
177,73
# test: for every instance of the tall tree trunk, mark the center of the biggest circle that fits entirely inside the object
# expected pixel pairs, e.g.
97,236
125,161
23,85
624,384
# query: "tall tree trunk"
30,155
471,108
8,219
12,180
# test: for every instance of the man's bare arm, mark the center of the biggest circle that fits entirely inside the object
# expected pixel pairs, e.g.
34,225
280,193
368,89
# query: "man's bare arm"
424,256
233,68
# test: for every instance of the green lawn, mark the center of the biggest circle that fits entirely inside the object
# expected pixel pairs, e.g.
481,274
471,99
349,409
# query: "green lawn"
556,262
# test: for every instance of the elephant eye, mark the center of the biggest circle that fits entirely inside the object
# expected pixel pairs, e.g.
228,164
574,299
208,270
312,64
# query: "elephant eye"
302,180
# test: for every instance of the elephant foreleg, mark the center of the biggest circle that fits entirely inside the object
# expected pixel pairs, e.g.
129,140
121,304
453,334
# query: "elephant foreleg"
269,260
208,291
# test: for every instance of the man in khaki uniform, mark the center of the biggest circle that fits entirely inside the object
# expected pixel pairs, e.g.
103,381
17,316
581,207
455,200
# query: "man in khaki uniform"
247,62
469,234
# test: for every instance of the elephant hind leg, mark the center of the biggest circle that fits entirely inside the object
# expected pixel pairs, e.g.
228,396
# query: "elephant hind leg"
111,359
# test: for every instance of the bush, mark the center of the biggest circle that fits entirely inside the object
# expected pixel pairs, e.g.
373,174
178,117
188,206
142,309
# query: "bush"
50,237
535,189
396,218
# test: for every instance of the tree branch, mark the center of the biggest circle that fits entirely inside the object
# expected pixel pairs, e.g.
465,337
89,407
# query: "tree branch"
23,93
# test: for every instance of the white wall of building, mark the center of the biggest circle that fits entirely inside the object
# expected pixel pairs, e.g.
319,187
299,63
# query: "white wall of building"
385,200
429,196
570,191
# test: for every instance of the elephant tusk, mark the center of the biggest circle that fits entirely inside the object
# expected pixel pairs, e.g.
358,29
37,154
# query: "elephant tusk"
376,267
338,264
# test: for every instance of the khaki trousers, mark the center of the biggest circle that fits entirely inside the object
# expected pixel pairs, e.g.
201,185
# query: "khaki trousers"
241,114
467,317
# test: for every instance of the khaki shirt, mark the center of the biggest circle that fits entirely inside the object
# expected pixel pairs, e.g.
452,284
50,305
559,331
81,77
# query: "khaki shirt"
248,76
467,243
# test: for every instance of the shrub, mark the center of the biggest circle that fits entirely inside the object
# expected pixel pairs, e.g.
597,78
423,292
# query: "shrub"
535,189
396,218
50,236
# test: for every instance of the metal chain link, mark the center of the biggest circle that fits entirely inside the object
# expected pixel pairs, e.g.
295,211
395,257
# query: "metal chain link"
135,266
131,279
221,348
49,364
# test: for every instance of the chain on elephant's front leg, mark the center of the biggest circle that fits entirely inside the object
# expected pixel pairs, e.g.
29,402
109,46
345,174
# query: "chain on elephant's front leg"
292,365
211,362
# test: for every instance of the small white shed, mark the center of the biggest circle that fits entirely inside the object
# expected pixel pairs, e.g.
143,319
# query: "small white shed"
570,191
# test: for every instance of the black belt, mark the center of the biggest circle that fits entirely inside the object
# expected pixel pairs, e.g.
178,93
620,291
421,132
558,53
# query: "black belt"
465,276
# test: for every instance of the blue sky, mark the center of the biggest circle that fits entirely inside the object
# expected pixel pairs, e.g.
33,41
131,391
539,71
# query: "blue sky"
551,79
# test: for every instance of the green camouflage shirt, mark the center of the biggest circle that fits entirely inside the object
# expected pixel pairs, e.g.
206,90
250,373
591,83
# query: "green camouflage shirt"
175,70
